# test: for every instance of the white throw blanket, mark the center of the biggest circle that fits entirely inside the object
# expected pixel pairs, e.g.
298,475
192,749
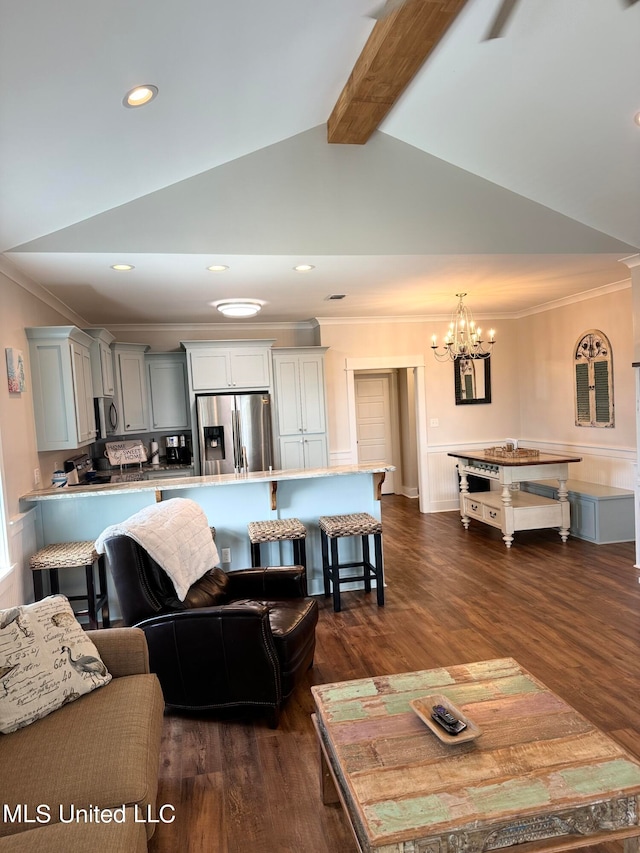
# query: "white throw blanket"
176,534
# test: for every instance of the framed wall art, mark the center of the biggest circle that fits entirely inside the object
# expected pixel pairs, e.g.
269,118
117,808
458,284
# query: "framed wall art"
15,370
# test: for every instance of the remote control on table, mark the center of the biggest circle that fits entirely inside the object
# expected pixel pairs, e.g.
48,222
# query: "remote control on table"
452,725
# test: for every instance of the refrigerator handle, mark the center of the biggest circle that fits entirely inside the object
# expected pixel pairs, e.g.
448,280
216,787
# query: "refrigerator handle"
237,439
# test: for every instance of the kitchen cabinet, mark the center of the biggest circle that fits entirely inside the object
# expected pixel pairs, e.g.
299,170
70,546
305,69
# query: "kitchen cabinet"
168,392
308,452
62,387
300,406
131,395
101,362
229,365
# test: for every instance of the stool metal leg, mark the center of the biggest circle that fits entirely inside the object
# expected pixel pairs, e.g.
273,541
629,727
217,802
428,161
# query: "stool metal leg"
367,567
104,592
377,540
325,562
255,554
299,552
38,589
54,581
334,572
300,557
91,597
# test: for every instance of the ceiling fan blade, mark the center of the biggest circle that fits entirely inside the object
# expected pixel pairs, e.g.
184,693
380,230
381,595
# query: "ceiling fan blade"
383,10
501,19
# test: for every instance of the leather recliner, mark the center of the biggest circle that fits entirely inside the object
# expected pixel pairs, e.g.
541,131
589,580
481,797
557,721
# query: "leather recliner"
241,638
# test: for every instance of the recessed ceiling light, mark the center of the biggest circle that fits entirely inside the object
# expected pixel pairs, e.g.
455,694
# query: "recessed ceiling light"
122,267
304,267
238,307
217,268
139,96
636,118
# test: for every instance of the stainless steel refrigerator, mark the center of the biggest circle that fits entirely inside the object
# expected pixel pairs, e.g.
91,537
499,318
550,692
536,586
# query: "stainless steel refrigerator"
234,433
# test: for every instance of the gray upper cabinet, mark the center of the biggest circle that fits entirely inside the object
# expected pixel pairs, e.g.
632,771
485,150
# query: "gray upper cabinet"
300,406
168,391
62,387
131,395
229,365
101,362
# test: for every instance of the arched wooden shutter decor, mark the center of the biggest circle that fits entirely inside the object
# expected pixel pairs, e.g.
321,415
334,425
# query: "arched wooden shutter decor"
593,372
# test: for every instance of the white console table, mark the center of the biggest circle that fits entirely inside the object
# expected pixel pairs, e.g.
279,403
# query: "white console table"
510,509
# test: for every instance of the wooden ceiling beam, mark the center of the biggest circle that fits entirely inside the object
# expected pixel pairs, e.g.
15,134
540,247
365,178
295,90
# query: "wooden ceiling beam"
397,48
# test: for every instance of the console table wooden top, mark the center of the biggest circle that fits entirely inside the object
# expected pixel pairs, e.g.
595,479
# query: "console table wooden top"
507,462
540,775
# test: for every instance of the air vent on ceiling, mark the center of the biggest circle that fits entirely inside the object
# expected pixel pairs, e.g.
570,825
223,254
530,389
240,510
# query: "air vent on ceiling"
336,296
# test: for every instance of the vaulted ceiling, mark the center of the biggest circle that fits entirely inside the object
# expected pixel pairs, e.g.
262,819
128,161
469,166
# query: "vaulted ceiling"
509,168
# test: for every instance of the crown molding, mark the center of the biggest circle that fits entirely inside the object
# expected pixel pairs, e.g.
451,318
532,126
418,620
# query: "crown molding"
204,327
514,315
625,284
8,269
631,261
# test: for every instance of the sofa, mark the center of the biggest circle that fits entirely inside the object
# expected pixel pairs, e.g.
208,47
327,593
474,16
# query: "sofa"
85,776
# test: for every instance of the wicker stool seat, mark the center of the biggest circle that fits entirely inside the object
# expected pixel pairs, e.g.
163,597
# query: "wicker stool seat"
335,527
278,530
73,555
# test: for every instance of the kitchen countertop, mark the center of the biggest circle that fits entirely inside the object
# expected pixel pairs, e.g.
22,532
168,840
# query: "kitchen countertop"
175,484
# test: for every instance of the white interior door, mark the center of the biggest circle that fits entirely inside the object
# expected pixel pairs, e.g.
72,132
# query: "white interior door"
373,423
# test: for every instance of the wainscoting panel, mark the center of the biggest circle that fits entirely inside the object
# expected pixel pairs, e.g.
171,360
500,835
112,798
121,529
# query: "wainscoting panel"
16,586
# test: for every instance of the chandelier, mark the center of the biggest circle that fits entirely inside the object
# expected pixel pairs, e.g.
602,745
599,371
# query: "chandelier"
463,339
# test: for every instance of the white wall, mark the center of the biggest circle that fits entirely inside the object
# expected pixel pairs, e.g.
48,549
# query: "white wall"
458,426
531,383
547,343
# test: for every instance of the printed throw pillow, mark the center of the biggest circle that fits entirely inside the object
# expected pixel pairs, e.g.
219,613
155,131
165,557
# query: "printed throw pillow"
46,660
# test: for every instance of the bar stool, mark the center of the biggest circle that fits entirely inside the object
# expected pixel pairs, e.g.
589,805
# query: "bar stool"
279,530
333,528
73,555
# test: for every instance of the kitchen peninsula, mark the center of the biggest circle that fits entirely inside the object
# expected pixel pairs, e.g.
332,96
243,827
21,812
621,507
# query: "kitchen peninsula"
230,502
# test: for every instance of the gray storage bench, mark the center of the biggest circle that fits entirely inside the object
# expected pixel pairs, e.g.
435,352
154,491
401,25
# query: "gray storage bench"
600,514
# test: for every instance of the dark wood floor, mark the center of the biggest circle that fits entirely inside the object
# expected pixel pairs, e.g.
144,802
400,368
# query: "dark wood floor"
569,613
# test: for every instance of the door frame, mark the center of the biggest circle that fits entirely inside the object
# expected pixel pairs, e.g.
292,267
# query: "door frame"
410,362
391,375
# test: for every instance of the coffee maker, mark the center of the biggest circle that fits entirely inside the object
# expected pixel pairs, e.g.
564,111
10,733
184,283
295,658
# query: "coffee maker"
173,449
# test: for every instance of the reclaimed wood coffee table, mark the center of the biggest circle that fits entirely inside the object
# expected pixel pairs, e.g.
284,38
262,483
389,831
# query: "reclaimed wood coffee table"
539,776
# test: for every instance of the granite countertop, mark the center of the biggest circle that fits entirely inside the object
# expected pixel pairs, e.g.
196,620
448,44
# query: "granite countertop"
175,484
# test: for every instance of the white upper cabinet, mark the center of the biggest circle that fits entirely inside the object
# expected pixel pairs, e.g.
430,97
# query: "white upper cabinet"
229,365
131,395
101,362
300,406
168,392
62,387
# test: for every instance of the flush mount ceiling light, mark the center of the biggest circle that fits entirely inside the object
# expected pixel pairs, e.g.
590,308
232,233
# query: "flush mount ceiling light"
304,267
122,267
238,307
139,96
636,118
217,268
